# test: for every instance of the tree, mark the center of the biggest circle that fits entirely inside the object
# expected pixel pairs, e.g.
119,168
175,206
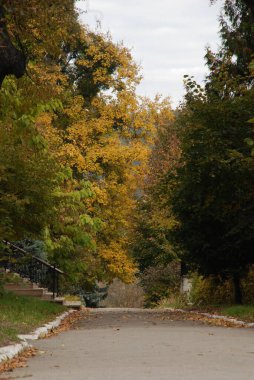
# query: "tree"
154,219
235,54
29,176
153,222
71,147
13,61
26,31
109,147
213,197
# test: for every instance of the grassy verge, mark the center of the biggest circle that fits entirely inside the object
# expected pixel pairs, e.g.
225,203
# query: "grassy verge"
19,315
243,312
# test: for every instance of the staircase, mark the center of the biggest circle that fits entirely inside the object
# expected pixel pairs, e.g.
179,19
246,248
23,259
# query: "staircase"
23,287
29,289
35,277
32,276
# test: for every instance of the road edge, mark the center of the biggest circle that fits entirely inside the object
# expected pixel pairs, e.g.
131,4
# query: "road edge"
9,352
214,316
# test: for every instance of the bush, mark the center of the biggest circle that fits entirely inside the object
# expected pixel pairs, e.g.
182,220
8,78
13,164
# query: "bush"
160,282
248,287
90,294
34,247
124,295
176,300
211,291
214,290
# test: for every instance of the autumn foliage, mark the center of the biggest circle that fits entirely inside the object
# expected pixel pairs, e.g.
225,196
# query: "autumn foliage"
75,141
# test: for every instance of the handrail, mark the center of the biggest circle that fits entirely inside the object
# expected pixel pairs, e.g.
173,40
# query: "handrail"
34,257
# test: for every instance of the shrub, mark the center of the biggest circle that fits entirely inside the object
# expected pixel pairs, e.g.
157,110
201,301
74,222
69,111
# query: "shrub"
176,300
211,291
248,287
124,295
160,282
214,290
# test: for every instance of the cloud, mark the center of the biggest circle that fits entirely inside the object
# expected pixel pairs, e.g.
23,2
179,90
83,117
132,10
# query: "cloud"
168,38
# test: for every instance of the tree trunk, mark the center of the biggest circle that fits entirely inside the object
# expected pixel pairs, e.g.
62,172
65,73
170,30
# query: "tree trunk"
237,289
12,60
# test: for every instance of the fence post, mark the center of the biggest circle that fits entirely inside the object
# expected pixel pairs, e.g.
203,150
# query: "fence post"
54,281
57,284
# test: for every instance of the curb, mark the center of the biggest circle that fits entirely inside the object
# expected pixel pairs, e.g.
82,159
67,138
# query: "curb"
9,352
215,316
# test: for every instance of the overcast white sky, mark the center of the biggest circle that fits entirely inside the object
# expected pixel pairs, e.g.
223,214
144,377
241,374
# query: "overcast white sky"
167,37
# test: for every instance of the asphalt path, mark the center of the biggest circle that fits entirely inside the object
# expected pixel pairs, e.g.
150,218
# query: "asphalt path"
124,344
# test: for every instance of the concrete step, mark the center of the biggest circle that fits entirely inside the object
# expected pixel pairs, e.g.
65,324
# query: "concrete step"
47,296
59,300
29,284
28,292
73,304
10,286
25,287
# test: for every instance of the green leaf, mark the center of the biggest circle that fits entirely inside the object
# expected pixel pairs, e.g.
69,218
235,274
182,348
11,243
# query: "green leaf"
249,141
251,65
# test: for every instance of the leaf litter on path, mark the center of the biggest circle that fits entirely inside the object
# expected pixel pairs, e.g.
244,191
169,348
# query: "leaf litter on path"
20,360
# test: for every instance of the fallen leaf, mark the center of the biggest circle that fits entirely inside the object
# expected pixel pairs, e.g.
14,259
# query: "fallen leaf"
18,361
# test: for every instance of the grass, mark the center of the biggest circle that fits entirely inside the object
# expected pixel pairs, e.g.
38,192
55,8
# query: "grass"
20,314
178,301
13,278
243,312
70,297
240,312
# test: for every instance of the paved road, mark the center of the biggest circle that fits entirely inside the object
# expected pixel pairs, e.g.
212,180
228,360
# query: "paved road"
142,345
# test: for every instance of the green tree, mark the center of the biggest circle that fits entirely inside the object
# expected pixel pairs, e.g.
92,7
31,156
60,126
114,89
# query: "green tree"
29,176
213,198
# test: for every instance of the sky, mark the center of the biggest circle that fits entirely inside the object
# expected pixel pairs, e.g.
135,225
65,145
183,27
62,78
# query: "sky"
167,38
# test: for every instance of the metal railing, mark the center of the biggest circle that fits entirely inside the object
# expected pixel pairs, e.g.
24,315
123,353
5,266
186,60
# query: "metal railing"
32,268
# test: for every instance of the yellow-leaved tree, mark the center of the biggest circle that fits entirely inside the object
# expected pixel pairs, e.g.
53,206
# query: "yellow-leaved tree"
78,101
105,137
